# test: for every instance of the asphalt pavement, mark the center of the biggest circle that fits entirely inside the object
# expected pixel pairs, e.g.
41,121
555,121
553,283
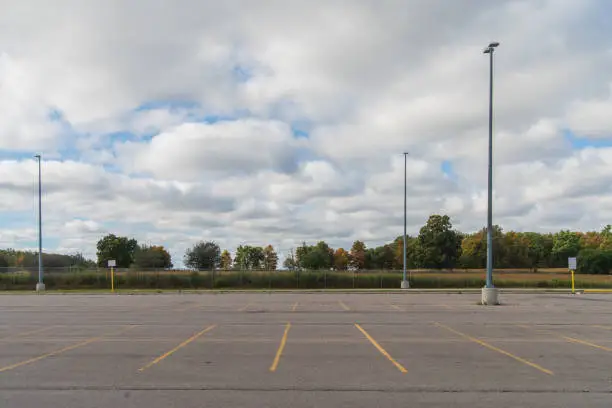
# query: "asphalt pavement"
305,350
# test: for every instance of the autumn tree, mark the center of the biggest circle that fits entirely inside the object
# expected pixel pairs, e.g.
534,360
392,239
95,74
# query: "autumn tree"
204,255
152,257
270,260
226,260
341,259
357,258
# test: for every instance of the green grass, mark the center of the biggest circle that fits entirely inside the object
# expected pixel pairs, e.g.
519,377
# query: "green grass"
278,280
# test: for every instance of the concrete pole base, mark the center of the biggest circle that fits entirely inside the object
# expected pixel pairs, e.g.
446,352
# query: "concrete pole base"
490,296
405,284
40,287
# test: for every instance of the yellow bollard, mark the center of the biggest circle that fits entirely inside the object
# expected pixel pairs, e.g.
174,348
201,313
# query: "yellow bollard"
573,288
112,280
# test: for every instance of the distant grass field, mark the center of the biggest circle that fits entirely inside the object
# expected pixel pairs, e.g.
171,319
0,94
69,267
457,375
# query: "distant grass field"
426,279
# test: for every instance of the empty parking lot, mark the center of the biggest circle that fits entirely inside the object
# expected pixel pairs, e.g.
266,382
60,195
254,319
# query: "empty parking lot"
305,350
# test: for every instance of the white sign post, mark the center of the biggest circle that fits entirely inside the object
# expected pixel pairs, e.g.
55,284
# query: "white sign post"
571,265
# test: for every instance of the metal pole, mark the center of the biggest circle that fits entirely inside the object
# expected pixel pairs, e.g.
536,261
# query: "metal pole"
40,285
489,283
405,283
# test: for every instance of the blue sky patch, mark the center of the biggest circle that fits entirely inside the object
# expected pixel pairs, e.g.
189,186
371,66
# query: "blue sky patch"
447,168
580,142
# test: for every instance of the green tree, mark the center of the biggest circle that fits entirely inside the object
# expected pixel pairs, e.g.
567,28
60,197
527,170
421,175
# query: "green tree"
226,260
3,261
249,257
121,249
204,255
152,257
270,260
357,258
565,244
341,259
594,261
319,256
439,244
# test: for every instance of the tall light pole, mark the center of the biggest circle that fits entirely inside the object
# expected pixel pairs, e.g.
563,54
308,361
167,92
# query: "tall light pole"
489,292
405,283
40,286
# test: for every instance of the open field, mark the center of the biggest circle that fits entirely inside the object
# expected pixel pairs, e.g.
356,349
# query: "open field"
299,279
305,350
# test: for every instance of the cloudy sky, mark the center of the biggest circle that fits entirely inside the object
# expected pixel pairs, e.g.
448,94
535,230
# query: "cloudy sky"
274,121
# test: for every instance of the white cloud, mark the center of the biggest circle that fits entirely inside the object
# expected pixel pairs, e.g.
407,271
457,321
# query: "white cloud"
367,80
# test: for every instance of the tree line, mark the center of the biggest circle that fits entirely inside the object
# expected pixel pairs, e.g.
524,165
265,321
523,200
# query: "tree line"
437,246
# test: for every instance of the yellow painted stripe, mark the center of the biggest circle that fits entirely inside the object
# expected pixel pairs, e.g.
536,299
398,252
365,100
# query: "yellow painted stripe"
295,305
597,290
281,347
572,339
396,307
60,351
382,350
586,343
180,346
497,349
28,333
344,306
245,307
602,327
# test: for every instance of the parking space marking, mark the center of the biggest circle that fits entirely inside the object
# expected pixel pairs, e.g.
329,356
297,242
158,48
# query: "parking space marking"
281,347
569,339
62,350
382,350
586,343
245,307
344,306
28,333
497,349
295,305
180,346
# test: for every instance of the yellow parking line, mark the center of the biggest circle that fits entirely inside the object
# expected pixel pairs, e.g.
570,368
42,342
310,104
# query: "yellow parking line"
28,333
586,343
295,305
597,290
281,347
180,346
344,306
572,339
602,327
60,351
491,347
382,350
245,307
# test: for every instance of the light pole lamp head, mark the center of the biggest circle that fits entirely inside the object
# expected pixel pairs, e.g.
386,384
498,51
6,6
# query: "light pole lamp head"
489,49
37,156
